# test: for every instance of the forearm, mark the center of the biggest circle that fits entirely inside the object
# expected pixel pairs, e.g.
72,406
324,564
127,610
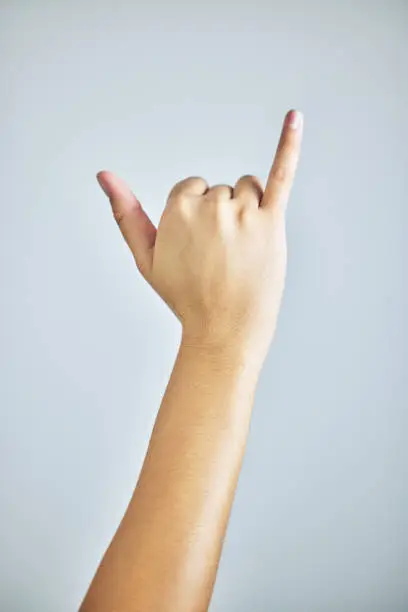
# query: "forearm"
165,553
218,255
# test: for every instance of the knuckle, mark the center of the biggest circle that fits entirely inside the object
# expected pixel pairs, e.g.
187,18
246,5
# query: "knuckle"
191,184
121,216
249,188
220,192
250,178
287,148
194,183
244,177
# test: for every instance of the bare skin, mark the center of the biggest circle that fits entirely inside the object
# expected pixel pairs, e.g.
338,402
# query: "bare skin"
218,259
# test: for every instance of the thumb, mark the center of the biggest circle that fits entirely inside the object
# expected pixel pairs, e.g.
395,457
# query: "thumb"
136,227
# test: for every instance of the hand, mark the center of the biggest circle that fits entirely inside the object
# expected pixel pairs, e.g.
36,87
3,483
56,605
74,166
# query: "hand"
218,256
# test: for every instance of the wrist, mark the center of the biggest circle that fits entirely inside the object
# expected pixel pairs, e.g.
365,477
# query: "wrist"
231,351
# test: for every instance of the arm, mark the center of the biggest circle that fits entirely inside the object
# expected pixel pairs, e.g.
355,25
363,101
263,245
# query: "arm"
218,259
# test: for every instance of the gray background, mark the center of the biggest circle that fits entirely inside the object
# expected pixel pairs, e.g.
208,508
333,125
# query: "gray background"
158,92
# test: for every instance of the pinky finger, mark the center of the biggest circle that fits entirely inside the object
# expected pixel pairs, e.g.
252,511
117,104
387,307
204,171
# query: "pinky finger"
282,173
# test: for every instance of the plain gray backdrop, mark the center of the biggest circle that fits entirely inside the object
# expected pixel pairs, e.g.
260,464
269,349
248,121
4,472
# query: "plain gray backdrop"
157,92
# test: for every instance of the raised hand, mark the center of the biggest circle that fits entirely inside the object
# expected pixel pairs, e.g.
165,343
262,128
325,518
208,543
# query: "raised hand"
218,257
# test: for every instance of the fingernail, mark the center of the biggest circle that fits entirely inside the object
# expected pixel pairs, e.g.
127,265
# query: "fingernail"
294,119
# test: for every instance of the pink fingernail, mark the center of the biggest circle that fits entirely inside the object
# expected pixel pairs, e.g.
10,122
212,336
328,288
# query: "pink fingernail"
294,119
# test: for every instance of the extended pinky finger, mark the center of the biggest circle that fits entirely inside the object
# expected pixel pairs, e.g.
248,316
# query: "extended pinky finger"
283,169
